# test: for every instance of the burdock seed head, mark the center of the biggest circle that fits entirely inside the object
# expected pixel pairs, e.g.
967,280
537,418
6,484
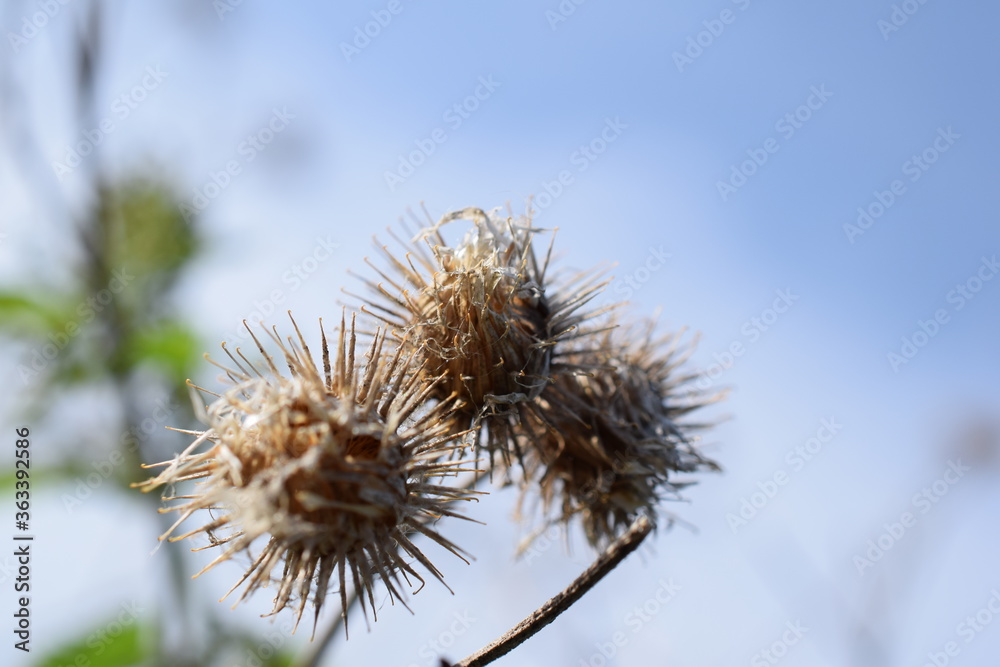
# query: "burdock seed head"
484,315
612,440
334,470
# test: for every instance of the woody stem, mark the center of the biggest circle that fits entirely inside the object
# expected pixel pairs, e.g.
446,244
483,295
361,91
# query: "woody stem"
616,552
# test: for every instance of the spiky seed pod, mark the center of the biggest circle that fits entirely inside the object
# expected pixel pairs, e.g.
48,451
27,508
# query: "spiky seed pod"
485,315
336,470
611,440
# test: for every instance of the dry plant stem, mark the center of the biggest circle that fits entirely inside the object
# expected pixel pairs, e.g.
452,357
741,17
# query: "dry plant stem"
616,552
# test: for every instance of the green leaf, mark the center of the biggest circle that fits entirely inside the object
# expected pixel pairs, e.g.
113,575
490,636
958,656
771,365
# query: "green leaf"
171,345
29,315
116,643
145,229
264,650
44,475
283,659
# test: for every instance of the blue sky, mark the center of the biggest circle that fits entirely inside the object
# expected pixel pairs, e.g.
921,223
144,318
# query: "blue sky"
671,135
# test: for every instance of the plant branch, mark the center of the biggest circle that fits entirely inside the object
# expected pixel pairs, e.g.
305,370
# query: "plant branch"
616,552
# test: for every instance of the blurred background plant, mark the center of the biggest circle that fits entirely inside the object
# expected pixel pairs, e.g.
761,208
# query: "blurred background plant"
108,333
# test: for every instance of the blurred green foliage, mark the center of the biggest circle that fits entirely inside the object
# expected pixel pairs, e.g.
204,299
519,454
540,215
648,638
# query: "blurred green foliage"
170,345
31,315
112,644
111,333
114,327
116,317
144,228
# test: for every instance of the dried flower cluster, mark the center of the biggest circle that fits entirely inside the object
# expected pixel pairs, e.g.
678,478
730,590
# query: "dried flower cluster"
485,315
337,470
612,437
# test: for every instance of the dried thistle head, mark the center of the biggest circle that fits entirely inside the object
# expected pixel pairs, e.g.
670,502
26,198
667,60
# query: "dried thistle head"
485,315
334,469
611,440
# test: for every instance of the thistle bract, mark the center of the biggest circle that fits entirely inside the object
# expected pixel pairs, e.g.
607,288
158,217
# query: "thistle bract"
612,440
331,471
485,315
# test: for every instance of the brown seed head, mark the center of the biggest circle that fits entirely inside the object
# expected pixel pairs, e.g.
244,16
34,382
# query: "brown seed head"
484,315
333,470
611,440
